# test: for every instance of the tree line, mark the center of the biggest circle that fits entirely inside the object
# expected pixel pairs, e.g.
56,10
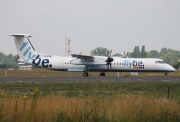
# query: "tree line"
8,61
172,57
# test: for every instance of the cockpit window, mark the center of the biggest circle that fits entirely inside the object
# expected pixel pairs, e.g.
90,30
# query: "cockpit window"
160,62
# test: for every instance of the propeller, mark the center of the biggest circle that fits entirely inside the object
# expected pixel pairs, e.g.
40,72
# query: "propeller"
109,59
126,54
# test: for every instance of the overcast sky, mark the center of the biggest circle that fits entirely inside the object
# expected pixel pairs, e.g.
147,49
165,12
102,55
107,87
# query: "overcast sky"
119,25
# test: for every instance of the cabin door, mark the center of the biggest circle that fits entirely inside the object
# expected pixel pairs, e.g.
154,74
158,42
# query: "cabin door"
61,65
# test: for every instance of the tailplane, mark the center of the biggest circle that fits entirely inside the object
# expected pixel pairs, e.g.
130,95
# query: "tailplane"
24,47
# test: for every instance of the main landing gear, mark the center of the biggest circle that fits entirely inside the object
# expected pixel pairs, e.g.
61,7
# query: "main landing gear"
86,74
102,74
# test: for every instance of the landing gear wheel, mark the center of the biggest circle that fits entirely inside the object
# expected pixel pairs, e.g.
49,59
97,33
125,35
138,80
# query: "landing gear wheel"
85,74
102,74
165,73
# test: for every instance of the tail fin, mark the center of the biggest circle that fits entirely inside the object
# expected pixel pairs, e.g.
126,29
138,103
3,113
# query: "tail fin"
24,47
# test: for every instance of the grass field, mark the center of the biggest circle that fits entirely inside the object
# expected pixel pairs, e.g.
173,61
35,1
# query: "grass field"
88,101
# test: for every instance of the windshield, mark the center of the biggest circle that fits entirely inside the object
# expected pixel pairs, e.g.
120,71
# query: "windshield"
160,62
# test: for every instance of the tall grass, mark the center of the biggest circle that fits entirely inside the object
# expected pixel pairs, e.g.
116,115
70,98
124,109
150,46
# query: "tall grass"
55,108
89,101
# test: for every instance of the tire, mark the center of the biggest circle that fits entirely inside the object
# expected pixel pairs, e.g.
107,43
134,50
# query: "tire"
102,74
85,74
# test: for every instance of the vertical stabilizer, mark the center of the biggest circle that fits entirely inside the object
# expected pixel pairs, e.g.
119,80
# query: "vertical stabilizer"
24,47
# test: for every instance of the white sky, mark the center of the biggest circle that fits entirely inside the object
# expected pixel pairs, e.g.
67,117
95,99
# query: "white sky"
119,25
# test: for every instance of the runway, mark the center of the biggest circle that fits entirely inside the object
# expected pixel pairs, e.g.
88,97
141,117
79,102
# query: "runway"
92,78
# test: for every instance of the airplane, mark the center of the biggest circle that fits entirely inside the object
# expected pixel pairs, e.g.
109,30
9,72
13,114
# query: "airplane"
86,63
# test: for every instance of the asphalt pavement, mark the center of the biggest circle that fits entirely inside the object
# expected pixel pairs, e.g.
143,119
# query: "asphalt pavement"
93,78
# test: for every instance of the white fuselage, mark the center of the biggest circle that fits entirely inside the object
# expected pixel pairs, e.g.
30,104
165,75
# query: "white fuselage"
118,65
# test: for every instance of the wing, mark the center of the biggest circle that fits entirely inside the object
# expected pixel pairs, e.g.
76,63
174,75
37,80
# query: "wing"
87,60
82,56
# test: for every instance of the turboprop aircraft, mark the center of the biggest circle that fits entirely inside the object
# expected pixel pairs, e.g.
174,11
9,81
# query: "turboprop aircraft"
85,63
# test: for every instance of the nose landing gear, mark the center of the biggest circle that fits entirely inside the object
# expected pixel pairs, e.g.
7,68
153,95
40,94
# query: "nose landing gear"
85,74
166,73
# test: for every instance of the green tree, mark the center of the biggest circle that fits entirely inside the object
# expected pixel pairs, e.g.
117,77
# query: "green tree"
2,56
118,54
15,58
136,53
143,52
100,51
177,64
131,54
153,54
164,51
170,56
10,61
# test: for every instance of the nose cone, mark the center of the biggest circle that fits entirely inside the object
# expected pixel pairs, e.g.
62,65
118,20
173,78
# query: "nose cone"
171,69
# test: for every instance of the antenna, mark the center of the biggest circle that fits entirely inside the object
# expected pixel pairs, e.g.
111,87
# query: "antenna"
67,45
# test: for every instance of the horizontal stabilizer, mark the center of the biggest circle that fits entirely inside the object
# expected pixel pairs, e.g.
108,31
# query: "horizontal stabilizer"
20,35
24,47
